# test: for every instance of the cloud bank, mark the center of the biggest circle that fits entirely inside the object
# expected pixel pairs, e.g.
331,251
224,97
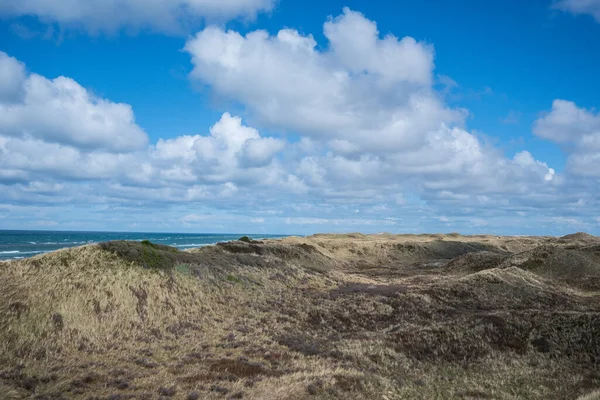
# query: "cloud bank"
360,140
170,16
367,107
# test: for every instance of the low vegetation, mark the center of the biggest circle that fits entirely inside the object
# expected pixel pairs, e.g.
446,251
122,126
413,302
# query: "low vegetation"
325,317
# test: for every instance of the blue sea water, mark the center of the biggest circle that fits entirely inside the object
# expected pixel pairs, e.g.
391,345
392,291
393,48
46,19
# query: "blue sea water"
23,244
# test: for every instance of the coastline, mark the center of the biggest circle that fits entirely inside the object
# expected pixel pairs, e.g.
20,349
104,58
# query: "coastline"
25,244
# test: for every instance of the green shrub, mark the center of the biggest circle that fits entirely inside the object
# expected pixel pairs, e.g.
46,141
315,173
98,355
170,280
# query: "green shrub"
147,254
183,269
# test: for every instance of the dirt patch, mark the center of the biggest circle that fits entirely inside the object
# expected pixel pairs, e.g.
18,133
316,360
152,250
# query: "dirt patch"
17,309
304,344
241,368
369,290
142,301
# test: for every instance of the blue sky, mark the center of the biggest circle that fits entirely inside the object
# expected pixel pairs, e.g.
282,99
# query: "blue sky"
300,117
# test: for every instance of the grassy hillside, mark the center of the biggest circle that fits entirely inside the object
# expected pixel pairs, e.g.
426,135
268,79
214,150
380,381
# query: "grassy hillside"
324,317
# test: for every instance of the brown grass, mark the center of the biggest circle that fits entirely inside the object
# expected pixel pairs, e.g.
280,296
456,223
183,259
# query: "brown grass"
345,316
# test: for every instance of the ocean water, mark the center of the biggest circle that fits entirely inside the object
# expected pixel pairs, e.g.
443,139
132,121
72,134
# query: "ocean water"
23,244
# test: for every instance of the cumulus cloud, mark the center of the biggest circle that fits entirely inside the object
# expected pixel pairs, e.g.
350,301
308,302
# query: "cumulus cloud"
356,45
169,16
62,111
186,161
37,158
58,142
232,152
577,7
368,102
577,130
371,143
12,77
362,91
568,123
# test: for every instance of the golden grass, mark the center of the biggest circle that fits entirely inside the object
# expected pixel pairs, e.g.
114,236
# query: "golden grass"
345,316
592,396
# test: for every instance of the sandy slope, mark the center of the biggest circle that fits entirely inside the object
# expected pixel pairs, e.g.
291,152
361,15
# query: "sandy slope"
328,316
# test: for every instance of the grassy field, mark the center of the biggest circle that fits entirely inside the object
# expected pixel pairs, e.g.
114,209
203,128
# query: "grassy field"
325,317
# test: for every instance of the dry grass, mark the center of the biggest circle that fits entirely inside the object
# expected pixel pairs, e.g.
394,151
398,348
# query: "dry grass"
592,396
344,316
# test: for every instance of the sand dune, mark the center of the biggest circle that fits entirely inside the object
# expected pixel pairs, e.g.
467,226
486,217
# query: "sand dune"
328,316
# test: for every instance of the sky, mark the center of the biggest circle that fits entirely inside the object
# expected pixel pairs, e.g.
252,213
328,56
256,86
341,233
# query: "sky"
282,117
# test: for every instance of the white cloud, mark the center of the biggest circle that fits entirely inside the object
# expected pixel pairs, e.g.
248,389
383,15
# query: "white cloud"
575,223
577,7
567,123
186,160
193,219
366,101
12,77
339,222
363,91
45,223
452,159
232,151
34,157
58,130
260,152
363,136
62,111
169,16
356,46
58,143
577,130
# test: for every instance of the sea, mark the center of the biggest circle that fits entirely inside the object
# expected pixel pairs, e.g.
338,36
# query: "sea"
23,244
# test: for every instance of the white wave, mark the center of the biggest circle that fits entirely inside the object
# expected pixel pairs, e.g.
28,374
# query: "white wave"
186,246
22,252
65,243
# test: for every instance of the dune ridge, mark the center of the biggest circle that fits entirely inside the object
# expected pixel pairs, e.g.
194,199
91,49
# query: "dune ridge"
327,316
